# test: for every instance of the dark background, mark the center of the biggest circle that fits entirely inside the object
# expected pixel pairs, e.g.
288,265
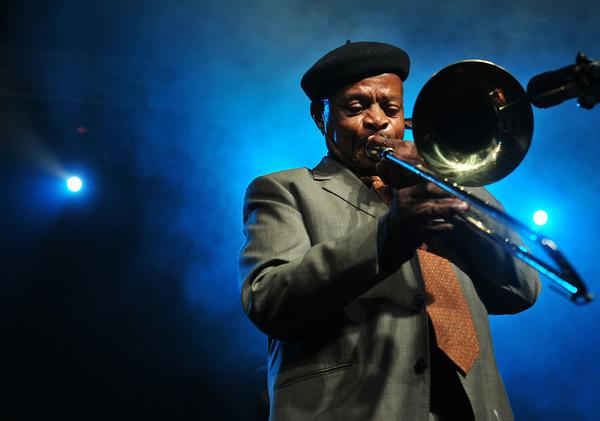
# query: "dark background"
122,301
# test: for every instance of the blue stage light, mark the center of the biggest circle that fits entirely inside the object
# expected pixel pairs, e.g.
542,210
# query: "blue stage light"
74,184
540,217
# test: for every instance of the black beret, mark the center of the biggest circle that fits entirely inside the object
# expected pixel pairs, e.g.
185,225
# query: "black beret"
350,63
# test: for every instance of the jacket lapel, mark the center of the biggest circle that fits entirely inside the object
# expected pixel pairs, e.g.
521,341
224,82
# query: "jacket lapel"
341,182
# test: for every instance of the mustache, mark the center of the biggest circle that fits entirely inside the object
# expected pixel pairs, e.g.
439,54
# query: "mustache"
381,138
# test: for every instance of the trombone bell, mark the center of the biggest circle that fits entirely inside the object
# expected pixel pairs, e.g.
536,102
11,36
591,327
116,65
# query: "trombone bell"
472,123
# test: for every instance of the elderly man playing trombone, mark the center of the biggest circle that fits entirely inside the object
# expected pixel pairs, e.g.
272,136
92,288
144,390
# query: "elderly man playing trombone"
374,296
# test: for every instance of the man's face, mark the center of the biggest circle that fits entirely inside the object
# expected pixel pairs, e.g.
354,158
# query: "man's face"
371,109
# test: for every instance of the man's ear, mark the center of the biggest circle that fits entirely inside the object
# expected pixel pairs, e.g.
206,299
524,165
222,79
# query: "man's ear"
316,112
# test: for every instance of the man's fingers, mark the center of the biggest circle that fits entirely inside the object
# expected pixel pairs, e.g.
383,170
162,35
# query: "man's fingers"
436,228
427,190
426,213
439,208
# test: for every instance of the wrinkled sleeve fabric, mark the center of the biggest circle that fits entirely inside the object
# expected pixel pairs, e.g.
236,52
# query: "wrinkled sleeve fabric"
288,283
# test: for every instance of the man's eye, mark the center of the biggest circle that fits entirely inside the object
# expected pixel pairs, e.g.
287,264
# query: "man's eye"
354,108
392,110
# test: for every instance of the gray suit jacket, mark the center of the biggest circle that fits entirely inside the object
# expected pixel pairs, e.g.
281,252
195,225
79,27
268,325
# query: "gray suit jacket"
347,341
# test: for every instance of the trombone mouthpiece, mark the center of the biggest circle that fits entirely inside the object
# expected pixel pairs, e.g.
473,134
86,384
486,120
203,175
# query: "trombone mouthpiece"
376,152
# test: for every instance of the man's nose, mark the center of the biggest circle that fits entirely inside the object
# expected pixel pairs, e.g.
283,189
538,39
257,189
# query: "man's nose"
375,120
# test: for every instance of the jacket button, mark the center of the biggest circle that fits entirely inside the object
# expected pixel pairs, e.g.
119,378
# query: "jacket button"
418,301
421,365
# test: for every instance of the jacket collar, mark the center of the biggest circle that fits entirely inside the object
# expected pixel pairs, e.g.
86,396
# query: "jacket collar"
343,183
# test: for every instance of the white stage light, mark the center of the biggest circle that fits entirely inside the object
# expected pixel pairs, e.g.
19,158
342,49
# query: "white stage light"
540,217
74,184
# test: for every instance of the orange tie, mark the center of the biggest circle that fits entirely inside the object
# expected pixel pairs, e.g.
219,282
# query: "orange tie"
447,307
448,310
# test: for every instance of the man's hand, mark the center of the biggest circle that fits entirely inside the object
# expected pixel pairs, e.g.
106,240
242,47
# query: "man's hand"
420,210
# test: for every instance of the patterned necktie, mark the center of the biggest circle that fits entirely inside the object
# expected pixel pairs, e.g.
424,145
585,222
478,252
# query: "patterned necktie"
446,304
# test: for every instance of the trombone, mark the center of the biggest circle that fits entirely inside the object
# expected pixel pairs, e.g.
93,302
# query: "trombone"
473,124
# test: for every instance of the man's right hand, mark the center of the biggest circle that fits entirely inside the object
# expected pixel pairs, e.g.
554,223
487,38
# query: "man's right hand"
418,211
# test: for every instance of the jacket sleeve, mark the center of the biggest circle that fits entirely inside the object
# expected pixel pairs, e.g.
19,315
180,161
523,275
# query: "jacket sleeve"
289,283
504,283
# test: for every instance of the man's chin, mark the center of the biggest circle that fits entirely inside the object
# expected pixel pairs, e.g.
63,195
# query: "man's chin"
364,166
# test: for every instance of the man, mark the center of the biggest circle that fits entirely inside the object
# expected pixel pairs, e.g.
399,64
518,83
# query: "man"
363,322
